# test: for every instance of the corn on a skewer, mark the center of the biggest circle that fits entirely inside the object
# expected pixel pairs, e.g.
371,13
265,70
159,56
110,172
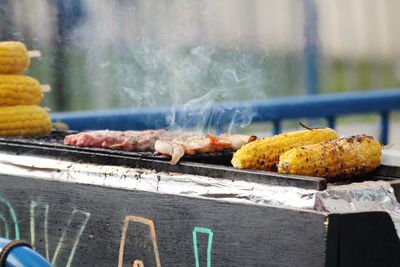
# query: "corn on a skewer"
24,121
19,90
14,57
264,153
338,159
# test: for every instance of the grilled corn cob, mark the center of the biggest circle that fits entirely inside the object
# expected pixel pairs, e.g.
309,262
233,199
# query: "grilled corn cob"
19,90
24,121
264,153
340,158
14,57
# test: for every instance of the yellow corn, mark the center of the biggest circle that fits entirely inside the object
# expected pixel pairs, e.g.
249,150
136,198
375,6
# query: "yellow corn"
336,159
24,121
264,153
19,90
14,57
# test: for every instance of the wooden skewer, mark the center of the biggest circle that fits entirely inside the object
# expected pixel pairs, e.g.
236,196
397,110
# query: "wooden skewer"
388,146
60,126
34,53
116,146
308,128
45,88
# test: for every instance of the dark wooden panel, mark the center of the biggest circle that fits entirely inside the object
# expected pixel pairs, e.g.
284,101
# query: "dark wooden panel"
362,239
96,221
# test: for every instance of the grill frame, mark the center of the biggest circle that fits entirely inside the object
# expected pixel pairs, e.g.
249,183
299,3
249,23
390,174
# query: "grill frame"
211,165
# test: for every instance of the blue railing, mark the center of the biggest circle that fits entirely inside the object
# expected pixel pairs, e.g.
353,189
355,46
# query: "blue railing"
218,116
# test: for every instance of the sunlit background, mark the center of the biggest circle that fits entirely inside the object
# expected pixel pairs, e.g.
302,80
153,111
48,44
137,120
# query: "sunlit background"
101,54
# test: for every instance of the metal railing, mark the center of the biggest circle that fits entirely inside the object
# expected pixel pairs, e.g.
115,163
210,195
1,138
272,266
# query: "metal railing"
328,106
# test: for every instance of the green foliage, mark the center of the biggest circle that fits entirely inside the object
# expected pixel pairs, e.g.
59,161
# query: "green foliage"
132,77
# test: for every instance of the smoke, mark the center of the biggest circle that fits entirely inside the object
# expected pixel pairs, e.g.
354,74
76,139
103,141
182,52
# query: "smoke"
132,63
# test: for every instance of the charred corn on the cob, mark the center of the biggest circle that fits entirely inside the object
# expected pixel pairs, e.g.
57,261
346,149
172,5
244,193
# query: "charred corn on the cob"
340,158
24,121
264,153
14,57
19,90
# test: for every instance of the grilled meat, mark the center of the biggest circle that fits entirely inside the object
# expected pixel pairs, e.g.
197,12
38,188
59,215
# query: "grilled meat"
177,147
170,143
124,140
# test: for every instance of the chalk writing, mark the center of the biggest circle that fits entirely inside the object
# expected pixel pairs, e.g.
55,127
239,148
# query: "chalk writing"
138,263
4,218
33,207
210,234
153,237
70,235
6,227
75,216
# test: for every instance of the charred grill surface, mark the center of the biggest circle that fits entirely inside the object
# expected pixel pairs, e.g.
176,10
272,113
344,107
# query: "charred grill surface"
55,140
212,165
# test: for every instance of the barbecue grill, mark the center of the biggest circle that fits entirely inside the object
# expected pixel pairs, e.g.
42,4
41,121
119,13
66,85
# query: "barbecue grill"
216,165
153,226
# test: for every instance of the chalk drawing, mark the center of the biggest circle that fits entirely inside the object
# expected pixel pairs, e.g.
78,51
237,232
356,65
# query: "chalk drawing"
138,263
77,238
153,237
6,227
72,230
34,205
210,234
13,217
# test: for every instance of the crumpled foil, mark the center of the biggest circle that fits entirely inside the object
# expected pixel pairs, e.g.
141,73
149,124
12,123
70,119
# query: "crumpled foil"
359,197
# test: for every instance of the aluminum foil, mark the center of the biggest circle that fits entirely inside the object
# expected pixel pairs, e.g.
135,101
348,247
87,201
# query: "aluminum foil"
161,182
356,197
359,197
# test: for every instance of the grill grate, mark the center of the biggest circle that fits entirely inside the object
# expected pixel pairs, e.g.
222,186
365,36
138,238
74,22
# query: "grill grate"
55,140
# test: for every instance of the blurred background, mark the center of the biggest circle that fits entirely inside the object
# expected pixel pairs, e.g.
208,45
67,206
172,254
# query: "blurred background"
101,54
